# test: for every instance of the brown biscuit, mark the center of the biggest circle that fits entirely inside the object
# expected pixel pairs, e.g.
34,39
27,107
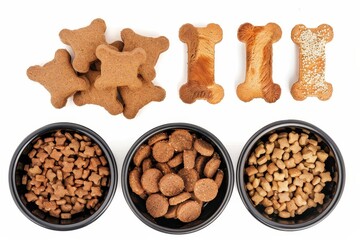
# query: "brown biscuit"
152,46
182,197
162,151
176,161
135,99
146,164
171,213
59,78
205,189
181,140
219,177
107,98
190,177
84,42
200,162
135,183
150,180
157,205
258,81
171,184
119,68
117,45
188,211
201,53
212,166
203,147
163,167
311,42
141,153
189,158
157,137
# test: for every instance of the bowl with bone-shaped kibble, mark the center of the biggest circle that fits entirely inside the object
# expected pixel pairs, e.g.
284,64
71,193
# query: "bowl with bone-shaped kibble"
177,178
290,175
63,176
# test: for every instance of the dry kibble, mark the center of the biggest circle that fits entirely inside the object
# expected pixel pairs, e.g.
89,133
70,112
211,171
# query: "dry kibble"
286,173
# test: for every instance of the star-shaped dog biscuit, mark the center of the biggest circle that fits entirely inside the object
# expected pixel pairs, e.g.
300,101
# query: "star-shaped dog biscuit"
84,42
119,68
107,98
58,77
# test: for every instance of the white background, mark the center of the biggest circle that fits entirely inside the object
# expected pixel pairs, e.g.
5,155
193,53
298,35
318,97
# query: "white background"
29,36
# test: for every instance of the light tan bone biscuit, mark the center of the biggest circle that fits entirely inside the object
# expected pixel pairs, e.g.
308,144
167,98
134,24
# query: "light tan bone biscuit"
201,53
84,42
258,80
58,77
135,99
119,68
152,46
107,98
311,42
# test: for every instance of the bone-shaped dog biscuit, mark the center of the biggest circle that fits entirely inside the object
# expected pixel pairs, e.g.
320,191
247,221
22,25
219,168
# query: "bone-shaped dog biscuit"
311,42
201,52
258,81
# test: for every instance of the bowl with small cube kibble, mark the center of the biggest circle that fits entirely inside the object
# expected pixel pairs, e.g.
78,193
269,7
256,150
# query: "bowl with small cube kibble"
290,175
63,176
177,178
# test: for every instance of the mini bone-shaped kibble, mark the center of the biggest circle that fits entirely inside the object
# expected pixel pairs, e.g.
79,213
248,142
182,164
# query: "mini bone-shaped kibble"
58,77
152,46
84,42
201,52
258,81
311,80
119,68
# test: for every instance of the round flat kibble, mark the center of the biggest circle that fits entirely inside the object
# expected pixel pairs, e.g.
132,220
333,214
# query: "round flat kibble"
188,211
181,140
205,189
212,166
190,176
171,184
157,205
203,147
143,152
162,151
150,180
135,183
182,197
157,138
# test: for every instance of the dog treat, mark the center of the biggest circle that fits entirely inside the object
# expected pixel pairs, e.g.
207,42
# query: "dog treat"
107,98
84,42
152,46
150,179
117,45
169,165
157,205
171,185
58,77
201,53
258,81
311,42
119,68
135,99
58,178
205,189
285,174
188,211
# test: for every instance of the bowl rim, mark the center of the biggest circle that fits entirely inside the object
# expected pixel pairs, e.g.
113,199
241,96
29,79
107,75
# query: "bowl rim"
165,127
72,127
240,174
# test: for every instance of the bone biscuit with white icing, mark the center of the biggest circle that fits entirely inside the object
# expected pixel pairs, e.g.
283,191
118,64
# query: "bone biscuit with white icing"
311,42
201,52
258,81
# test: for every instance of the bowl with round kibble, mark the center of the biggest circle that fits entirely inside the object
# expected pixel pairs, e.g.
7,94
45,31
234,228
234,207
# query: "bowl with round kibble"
63,176
290,175
177,178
